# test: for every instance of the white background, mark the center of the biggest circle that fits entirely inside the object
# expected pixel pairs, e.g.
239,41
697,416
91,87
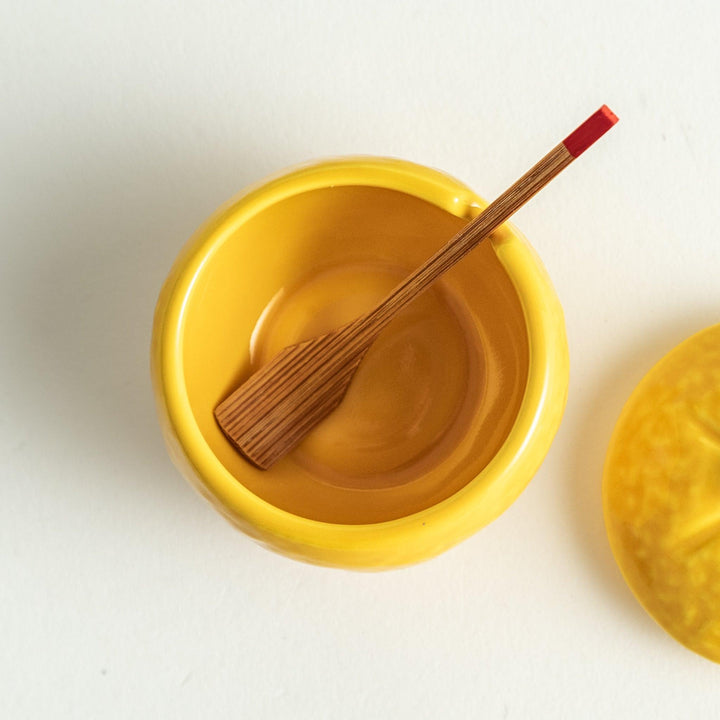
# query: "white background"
122,126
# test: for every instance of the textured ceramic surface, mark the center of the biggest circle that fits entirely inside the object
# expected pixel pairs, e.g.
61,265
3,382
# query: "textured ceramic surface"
347,508
662,493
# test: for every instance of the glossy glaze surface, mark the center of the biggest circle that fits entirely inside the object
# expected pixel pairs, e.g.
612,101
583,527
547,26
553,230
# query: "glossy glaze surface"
436,394
662,493
416,391
450,415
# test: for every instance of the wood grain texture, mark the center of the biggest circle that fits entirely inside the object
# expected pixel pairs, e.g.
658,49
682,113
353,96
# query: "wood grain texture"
271,413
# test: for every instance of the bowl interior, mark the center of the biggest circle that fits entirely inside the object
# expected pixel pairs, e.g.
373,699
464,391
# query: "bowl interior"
436,395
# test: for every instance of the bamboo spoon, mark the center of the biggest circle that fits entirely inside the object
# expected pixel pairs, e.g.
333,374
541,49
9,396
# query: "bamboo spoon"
277,406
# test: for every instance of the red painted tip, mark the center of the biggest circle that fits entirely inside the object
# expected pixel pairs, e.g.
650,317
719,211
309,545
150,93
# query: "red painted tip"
578,141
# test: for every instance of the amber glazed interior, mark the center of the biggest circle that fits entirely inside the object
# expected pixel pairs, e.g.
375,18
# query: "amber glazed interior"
435,397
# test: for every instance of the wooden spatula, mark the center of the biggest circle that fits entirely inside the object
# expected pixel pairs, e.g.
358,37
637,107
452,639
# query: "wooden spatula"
271,413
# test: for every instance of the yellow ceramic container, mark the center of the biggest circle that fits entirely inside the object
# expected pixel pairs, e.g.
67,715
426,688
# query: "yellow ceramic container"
478,373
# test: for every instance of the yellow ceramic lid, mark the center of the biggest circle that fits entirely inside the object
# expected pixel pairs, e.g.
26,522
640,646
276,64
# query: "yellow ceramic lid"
661,493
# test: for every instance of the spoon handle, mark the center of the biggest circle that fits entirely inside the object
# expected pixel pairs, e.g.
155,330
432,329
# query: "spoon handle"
494,215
